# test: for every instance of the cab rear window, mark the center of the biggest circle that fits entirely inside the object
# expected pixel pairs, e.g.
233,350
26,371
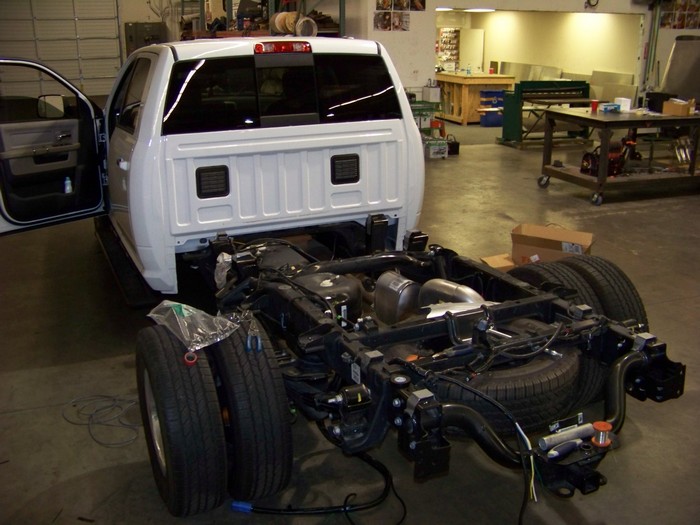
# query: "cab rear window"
231,93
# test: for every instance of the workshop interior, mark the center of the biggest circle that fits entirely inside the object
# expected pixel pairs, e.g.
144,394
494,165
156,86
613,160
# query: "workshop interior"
329,261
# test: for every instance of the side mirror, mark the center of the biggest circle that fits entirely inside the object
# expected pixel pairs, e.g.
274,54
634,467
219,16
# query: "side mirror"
50,106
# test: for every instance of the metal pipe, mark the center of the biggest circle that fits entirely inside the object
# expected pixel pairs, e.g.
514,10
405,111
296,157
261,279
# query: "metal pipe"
615,402
651,62
441,290
481,431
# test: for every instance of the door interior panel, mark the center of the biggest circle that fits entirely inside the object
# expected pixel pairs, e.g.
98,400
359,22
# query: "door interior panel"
48,167
34,147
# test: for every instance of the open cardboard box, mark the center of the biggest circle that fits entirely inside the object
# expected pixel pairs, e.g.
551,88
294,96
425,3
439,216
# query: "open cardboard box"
678,108
534,242
502,261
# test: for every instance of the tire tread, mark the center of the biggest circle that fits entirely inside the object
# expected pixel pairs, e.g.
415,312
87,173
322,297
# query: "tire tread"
190,421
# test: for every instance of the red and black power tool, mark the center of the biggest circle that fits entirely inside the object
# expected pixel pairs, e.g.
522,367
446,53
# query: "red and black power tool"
618,154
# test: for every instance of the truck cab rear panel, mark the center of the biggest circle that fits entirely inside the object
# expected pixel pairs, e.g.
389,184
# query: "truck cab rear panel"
237,141
316,174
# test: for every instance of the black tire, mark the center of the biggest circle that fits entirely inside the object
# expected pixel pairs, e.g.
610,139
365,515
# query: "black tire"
592,374
536,393
182,423
257,419
542,275
617,294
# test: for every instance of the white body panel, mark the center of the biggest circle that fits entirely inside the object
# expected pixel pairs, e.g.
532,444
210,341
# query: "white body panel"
278,173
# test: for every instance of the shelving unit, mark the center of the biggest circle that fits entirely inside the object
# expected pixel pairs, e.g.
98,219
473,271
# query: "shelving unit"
424,114
273,6
448,45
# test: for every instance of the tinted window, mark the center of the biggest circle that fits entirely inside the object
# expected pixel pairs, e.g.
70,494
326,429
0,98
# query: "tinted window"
230,93
353,88
211,95
128,100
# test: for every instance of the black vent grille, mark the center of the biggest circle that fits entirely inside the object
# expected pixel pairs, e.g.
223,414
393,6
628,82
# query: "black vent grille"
345,169
212,181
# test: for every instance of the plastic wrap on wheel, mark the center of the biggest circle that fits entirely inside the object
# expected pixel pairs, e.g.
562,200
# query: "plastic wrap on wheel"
195,328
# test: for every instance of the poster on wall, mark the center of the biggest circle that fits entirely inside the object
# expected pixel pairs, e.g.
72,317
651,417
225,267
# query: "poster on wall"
680,14
395,15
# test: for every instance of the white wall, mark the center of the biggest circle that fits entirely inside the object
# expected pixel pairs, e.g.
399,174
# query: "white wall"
413,51
574,42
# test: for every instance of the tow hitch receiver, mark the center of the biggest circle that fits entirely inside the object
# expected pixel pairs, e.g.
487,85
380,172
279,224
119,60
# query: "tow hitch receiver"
574,469
421,438
662,379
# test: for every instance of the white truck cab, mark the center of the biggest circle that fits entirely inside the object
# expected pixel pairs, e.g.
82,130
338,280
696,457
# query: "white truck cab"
228,137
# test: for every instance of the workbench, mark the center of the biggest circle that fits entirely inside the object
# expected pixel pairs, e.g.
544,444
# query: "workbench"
605,124
461,93
524,108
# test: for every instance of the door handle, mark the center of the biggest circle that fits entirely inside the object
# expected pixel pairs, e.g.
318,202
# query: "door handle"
122,164
61,136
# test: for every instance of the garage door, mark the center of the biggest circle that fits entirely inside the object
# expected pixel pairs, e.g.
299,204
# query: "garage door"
77,38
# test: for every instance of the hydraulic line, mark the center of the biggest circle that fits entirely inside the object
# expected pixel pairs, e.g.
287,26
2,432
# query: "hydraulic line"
345,508
474,424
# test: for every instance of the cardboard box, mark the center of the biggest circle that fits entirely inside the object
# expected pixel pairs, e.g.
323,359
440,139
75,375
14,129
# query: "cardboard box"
678,108
502,261
624,103
533,243
610,107
423,122
431,94
436,149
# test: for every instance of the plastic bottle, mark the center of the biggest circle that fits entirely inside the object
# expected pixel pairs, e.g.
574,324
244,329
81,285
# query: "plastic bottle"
469,69
67,185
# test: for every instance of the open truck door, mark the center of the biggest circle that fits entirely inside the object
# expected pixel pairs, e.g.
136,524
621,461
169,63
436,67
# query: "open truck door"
51,167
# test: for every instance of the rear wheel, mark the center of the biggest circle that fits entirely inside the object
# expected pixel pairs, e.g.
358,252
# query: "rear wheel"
182,423
255,412
536,393
604,287
593,375
618,295
548,275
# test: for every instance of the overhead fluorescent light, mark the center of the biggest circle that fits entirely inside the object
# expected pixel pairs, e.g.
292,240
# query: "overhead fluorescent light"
444,9
479,10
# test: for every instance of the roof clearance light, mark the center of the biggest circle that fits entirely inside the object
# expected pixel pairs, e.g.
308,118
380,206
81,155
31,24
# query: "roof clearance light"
282,47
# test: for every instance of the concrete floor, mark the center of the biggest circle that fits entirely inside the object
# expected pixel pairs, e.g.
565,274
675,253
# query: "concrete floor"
65,334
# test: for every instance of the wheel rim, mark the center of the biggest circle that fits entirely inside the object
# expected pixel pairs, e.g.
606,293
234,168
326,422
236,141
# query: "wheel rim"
154,422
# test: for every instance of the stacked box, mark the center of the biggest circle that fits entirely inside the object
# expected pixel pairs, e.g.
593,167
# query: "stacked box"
435,149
